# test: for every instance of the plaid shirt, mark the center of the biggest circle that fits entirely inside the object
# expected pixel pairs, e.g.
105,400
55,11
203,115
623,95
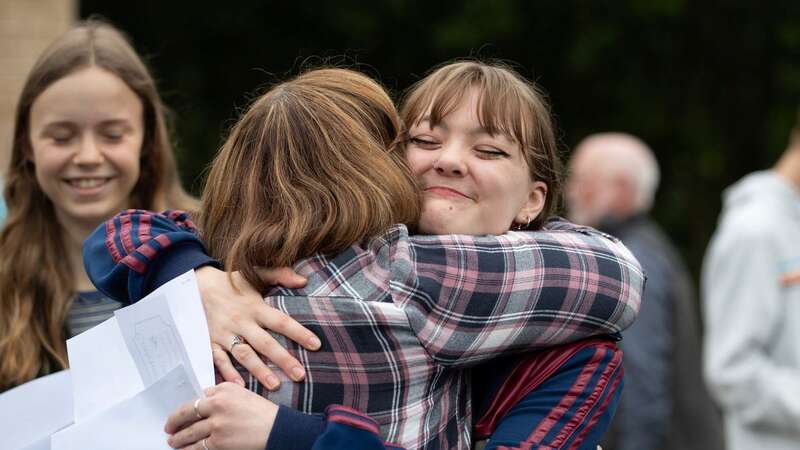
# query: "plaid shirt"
401,317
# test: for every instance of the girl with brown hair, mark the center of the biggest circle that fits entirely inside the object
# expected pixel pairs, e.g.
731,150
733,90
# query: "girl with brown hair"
402,317
90,139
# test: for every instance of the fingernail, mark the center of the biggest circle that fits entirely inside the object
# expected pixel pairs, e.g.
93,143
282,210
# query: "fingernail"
240,382
314,343
272,381
298,373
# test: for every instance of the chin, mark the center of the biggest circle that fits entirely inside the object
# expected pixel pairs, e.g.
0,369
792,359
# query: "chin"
91,214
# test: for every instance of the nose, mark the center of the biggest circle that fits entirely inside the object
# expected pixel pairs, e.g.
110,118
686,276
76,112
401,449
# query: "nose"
450,161
89,153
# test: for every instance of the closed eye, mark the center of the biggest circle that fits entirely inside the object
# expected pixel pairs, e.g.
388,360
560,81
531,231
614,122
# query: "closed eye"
492,153
114,131
113,137
61,138
425,143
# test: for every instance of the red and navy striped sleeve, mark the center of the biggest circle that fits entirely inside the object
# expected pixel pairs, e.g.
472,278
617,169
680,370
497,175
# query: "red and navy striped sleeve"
136,251
561,398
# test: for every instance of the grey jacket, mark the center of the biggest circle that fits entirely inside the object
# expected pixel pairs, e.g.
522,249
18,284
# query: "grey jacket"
752,343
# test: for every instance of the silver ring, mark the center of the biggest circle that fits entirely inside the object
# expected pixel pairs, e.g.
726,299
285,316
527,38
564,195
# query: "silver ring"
235,341
205,447
197,409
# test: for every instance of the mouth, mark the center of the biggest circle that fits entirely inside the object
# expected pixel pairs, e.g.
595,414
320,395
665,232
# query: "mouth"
88,185
444,191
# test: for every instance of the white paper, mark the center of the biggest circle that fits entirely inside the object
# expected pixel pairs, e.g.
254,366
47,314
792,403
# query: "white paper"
136,423
152,338
120,357
167,328
186,305
103,371
31,412
42,444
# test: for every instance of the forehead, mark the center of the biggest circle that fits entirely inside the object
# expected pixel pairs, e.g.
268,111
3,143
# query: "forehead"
86,96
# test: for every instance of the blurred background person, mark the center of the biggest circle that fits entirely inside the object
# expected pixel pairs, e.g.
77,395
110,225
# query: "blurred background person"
613,178
90,139
751,305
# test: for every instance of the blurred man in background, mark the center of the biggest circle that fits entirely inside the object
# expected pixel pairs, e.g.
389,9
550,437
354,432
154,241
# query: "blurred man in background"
612,181
751,304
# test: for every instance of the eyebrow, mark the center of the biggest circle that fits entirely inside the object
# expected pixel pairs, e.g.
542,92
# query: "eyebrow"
114,122
69,124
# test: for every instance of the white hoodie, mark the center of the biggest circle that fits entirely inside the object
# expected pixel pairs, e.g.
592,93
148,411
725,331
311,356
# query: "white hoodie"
752,341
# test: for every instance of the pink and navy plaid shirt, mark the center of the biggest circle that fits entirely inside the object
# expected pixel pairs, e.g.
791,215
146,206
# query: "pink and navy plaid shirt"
402,317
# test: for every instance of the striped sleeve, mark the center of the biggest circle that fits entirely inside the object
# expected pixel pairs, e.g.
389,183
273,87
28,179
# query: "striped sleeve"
571,409
472,298
122,254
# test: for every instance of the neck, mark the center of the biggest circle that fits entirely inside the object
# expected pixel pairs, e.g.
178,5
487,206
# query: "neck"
73,234
788,167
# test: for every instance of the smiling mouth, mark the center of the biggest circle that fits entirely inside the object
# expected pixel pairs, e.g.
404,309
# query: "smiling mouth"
87,183
445,192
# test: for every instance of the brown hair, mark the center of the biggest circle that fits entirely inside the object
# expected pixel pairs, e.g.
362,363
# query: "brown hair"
507,104
312,166
36,281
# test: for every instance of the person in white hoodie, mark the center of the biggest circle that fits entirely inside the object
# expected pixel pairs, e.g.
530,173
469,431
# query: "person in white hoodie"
751,302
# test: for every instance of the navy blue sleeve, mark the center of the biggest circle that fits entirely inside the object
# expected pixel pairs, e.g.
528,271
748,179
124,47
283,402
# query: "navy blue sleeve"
340,428
294,430
136,251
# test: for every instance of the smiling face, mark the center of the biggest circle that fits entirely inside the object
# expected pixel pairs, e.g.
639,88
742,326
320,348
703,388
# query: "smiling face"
86,134
474,182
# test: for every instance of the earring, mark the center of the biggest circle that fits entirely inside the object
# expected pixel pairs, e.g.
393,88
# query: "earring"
520,227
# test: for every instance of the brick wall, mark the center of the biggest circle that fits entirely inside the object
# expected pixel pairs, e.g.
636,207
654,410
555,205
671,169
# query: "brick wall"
26,28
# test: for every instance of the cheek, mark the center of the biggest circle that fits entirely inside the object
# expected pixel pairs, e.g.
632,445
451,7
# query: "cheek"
509,187
48,163
127,160
420,161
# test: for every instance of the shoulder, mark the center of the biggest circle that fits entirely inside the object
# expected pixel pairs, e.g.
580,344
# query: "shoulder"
761,205
754,223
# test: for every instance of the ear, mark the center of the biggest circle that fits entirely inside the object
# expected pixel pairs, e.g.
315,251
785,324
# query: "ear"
537,194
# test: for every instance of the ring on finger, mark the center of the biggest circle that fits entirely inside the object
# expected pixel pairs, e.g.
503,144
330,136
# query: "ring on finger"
197,409
235,341
205,447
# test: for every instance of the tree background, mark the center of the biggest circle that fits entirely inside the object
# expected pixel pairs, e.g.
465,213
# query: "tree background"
713,87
